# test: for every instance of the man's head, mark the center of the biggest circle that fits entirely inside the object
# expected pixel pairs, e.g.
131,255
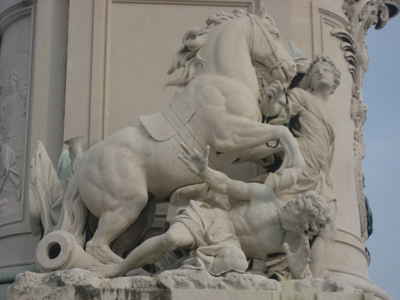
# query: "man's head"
307,214
322,71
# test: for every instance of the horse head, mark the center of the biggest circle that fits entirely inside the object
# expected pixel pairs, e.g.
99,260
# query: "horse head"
268,51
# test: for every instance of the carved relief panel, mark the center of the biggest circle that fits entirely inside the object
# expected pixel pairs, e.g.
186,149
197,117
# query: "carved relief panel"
14,78
33,39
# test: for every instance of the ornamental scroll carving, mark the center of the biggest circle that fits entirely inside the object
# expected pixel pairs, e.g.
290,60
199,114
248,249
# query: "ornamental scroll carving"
362,14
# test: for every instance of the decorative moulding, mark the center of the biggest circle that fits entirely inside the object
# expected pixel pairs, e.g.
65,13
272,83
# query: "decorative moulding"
362,14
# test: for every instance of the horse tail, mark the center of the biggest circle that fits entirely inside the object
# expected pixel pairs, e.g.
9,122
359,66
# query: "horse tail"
73,213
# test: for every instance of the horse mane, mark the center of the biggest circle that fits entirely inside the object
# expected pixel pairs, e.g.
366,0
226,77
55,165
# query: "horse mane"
189,54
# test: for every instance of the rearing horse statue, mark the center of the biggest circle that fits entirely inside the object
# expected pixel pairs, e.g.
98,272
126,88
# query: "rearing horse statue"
116,176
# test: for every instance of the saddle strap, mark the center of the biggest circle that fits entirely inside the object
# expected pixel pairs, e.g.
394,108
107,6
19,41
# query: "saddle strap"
183,135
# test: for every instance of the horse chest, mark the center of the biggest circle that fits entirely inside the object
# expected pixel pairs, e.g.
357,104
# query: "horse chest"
223,95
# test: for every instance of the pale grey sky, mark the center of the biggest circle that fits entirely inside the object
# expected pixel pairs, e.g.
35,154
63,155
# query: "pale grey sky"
381,166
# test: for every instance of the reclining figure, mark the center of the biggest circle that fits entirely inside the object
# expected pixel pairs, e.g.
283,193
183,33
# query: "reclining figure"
220,239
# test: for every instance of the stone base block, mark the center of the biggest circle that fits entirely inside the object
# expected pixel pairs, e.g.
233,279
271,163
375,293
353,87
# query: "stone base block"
176,285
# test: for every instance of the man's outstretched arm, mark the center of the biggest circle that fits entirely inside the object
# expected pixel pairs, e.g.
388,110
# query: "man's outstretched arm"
218,181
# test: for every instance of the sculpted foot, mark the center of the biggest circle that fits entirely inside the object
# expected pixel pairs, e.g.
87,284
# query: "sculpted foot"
291,175
103,253
105,271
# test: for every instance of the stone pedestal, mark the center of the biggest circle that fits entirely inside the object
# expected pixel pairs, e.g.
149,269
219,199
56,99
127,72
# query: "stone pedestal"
177,285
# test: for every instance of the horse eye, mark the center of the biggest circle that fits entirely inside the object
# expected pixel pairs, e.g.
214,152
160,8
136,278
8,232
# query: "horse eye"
275,35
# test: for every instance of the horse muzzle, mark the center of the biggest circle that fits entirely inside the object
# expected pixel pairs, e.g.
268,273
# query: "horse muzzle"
284,72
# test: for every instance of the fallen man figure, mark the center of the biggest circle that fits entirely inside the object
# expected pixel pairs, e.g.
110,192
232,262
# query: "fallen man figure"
257,228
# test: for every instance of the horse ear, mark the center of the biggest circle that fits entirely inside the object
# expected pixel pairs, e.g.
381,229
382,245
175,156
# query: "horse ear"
262,11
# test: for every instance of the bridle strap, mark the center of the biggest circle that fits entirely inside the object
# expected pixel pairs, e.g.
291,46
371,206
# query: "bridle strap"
279,60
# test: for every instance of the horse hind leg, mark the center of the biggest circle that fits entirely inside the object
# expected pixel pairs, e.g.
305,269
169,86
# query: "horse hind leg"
136,232
111,225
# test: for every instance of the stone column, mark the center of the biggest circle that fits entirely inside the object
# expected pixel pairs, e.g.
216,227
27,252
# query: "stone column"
338,29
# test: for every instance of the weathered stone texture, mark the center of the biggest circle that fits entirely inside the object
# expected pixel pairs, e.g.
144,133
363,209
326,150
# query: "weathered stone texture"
178,284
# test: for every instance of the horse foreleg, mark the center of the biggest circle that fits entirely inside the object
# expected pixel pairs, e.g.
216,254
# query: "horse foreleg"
232,133
111,225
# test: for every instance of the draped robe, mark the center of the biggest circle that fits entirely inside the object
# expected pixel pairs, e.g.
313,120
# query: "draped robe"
316,139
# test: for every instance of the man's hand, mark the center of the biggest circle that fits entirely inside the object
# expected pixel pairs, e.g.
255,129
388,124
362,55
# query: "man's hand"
299,260
273,92
196,162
